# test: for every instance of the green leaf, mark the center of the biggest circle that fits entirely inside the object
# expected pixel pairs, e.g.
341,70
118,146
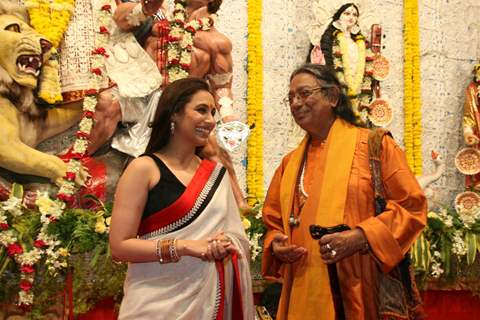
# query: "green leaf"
17,191
471,244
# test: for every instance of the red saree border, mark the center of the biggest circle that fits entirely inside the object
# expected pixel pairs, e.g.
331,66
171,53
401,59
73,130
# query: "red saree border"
237,301
182,206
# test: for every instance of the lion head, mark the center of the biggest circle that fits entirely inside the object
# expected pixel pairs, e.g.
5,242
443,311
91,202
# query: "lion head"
23,52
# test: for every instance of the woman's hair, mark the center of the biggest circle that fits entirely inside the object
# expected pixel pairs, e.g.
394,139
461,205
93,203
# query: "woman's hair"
173,100
326,42
343,108
213,6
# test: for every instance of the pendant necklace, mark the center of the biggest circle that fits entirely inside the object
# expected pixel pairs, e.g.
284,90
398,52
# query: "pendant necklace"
295,222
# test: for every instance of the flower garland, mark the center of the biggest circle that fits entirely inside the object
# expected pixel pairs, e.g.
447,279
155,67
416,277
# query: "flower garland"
412,99
79,149
44,245
180,41
51,210
255,103
50,17
359,82
352,79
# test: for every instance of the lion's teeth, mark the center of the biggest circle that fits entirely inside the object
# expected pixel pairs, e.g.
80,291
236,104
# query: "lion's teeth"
37,73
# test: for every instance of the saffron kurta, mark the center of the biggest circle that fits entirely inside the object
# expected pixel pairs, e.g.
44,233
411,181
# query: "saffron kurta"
339,185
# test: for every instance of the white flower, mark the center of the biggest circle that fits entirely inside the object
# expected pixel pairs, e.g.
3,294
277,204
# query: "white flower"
86,125
80,145
89,103
29,257
7,237
25,297
13,205
458,246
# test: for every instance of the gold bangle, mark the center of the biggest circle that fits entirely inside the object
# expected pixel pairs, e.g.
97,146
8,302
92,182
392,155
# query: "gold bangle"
158,251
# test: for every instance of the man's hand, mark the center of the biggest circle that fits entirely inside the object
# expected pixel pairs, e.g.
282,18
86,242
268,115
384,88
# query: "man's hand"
337,246
285,252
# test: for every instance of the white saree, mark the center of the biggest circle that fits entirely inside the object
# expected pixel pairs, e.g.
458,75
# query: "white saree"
192,288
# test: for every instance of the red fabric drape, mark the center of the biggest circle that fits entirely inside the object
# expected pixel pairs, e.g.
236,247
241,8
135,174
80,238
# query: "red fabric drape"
451,305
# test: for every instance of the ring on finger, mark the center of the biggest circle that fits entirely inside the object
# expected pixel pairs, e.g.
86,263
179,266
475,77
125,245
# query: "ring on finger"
333,253
328,246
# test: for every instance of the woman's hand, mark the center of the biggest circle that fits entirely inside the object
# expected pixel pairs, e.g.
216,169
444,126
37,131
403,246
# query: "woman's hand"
219,246
337,246
215,247
285,252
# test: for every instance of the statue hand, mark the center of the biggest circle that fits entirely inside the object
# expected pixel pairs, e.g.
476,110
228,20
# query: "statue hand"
316,56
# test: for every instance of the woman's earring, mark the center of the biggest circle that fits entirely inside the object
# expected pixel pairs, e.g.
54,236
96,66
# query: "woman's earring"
172,127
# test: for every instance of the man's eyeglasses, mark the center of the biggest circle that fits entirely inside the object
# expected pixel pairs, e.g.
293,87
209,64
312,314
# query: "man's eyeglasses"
302,94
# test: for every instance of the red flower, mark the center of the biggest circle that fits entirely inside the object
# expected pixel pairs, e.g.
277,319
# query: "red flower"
70,176
174,61
101,51
97,71
91,92
190,29
14,249
52,218
27,268
4,226
25,307
104,30
185,66
88,114
39,243
26,285
65,197
107,7
82,134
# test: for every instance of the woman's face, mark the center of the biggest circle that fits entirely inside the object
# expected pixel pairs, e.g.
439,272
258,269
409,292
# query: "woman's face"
196,121
349,17
309,105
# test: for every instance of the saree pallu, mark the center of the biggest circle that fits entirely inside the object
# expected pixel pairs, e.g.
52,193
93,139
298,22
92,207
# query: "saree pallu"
192,288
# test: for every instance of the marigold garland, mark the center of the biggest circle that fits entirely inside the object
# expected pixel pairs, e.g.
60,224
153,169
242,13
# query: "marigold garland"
412,98
50,17
255,103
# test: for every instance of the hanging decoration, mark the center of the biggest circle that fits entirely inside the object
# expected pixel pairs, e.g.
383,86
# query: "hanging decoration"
412,99
255,103
50,17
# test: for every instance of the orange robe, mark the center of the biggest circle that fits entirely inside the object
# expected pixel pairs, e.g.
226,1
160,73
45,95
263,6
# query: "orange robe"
306,292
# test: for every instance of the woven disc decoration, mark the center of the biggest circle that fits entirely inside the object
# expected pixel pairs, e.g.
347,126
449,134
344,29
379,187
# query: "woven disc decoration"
467,200
467,161
380,68
380,113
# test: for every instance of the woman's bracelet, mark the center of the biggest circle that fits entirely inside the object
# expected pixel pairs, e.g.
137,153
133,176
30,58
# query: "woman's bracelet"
166,250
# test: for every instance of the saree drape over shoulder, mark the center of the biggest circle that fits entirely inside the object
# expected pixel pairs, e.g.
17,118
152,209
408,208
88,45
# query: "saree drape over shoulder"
192,288
341,191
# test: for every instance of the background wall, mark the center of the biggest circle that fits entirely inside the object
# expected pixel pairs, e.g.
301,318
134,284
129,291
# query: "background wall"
450,46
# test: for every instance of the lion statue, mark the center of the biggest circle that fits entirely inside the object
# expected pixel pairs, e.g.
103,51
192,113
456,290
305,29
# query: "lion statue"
24,124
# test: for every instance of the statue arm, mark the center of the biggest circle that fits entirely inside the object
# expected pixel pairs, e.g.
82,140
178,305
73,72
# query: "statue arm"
130,15
221,77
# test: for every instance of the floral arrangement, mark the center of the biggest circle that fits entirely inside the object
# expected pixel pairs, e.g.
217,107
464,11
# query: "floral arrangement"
45,240
446,251
412,99
50,17
255,103
79,148
180,40
255,229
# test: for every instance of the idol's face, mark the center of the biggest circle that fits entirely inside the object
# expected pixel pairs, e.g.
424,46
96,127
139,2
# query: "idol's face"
349,17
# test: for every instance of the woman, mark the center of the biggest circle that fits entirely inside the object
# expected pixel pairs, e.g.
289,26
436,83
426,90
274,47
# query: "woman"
176,222
326,181
343,47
